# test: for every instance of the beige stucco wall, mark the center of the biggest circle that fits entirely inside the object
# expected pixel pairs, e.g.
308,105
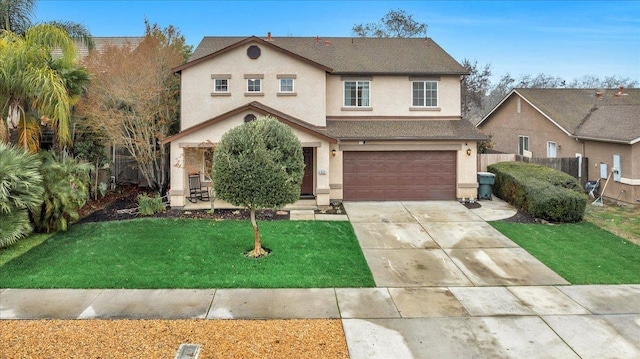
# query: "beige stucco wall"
198,105
506,124
212,135
391,96
602,152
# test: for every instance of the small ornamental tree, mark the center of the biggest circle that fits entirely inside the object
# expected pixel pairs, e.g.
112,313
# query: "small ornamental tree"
258,165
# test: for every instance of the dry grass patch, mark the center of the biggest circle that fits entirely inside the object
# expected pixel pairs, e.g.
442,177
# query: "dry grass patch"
619,220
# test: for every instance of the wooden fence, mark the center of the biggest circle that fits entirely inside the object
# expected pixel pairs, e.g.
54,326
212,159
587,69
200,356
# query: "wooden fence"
576,167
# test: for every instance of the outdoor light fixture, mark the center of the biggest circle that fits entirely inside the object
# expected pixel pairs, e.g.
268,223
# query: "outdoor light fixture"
468,152
334,152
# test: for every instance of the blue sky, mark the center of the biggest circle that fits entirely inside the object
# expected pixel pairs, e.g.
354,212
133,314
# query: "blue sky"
560,38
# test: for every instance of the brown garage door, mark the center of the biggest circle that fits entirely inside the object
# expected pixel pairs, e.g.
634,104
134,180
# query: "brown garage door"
410,175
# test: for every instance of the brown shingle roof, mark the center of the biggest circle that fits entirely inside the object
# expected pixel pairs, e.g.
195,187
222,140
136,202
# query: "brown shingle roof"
352,55
404,130
619,123
583,113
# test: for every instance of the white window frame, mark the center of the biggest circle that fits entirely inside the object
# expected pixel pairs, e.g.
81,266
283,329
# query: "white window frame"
425,90
604,170
555,149
215,85
357,99
256,82
280,85
522,140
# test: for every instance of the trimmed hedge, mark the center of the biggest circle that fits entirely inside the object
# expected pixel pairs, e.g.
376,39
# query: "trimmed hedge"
541,191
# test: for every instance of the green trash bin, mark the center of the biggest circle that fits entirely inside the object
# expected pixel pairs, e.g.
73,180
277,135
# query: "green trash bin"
485,185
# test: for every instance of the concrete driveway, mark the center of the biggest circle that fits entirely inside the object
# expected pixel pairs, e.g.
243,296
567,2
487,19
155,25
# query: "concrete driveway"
463,290
442,244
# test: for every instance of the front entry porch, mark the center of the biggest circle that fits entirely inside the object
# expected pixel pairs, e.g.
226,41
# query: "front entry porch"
198,161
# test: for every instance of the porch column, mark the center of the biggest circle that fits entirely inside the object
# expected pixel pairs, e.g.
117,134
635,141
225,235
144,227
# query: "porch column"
177,176
323,191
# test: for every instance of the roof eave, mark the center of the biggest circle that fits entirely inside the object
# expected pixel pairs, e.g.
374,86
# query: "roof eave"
408,138
609,140
398,73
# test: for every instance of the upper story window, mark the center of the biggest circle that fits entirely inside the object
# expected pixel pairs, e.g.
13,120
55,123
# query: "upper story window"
254,84
286,84
424,93
221,84
357,93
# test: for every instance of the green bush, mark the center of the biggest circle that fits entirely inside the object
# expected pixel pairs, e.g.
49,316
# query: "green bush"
150,205
65,182
541,191
20,191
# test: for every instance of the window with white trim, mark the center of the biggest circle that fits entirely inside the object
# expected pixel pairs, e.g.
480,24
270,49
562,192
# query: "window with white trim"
424,93
523,144
357,93
254,85
220,85
286,84
552,149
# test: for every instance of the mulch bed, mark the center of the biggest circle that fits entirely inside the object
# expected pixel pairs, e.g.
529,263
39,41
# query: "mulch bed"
107,210
523,217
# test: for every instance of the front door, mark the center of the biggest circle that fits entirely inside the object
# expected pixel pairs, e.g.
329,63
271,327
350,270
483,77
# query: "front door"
307,180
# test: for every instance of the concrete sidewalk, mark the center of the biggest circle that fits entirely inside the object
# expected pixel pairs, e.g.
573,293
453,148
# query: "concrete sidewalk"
417,322
448,286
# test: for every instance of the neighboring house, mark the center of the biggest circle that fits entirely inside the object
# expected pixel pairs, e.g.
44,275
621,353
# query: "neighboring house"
378,119
601,125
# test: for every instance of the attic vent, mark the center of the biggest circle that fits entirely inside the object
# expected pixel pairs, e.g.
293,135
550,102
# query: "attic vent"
250,117
253,52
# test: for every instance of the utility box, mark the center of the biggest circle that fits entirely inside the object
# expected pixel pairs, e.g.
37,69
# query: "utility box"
485,185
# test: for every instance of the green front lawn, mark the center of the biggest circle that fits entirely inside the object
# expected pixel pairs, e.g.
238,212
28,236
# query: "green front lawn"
582,253
182,253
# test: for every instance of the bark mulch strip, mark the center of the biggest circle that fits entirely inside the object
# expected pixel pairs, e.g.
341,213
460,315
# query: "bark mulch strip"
321,338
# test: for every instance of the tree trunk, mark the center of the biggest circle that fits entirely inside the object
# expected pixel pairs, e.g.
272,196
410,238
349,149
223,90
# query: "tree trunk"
257,250
95,189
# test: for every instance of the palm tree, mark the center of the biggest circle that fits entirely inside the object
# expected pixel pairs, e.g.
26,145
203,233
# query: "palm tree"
20,191
32,87
15,15
65,181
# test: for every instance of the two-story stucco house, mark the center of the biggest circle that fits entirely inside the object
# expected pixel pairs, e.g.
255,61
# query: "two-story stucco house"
378,119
